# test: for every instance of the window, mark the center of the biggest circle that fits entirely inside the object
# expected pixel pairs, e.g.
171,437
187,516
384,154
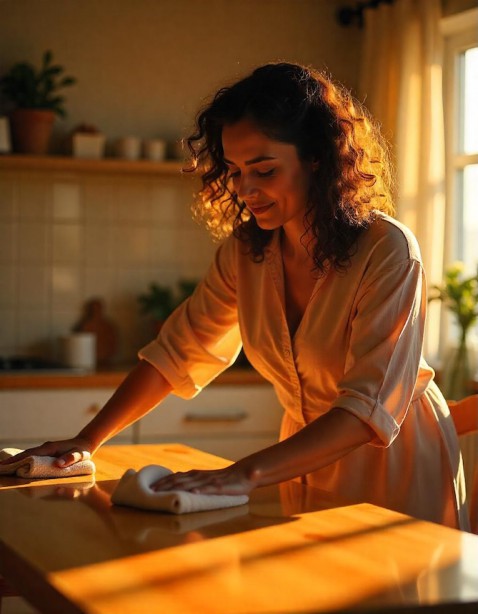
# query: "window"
465,161
460,78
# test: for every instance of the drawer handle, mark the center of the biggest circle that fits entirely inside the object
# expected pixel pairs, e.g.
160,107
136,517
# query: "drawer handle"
227,416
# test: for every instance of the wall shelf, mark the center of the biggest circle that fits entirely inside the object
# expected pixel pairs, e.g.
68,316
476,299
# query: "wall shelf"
80,165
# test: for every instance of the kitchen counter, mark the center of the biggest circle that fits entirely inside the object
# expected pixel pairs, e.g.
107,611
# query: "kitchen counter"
113,376
236,415
108,378
291,549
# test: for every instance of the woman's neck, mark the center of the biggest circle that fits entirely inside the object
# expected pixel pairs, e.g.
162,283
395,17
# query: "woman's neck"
296,245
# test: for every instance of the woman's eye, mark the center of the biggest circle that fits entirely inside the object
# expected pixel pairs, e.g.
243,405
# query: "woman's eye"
234,174
266,173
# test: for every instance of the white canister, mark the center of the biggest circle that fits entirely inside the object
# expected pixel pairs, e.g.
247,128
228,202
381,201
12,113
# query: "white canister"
154,149
90,146
128,148
5,141
79,350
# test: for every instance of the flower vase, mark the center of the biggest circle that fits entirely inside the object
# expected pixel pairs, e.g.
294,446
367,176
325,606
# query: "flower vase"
457,377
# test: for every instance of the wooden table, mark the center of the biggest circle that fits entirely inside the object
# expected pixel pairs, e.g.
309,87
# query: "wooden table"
67,550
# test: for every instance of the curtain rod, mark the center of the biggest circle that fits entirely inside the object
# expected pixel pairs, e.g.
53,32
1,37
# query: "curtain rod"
348,15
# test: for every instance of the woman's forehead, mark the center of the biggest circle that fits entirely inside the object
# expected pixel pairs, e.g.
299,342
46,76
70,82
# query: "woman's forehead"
243,142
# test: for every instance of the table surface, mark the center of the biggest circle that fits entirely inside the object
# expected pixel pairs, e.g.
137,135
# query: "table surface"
291,549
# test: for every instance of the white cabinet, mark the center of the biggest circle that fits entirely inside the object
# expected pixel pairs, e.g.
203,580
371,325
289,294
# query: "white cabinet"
30,417
230,421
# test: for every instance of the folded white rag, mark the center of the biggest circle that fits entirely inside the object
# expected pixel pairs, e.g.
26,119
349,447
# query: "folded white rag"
134,489
42,466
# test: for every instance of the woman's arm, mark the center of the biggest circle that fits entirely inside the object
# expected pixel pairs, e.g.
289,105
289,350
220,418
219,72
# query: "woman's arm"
140,392
318,444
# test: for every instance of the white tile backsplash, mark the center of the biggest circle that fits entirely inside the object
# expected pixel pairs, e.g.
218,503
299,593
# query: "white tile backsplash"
131,245
164,244
66,201
34,199
33,242
32,287
8,203
8,333
99,281
134,203
31,319
67,243
100,200
8,285
98,244
165,205
65,239
8,241
66,286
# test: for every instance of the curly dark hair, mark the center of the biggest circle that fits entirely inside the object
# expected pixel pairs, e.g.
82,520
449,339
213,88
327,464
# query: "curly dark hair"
304,107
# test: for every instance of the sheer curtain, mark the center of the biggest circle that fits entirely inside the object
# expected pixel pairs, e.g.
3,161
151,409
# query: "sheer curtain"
401,84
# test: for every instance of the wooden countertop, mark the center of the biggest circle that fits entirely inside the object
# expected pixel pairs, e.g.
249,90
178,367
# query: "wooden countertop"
291,549
112,378
109,378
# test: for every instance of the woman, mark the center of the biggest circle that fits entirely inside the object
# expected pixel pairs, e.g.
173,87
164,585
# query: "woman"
324,290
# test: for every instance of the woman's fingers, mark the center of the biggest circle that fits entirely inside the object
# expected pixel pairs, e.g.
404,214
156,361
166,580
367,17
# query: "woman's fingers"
43,450
211,482
67,452
179,481
72,457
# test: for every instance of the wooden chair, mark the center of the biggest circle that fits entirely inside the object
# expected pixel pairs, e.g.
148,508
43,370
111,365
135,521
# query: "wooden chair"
465,418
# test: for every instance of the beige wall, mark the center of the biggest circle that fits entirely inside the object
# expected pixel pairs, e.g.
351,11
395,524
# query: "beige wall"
144,66
68,237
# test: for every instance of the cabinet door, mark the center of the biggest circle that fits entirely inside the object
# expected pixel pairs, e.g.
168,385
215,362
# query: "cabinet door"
231,421
29,417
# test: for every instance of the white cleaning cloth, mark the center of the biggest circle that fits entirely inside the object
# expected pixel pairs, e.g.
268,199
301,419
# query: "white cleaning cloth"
134,489
42,466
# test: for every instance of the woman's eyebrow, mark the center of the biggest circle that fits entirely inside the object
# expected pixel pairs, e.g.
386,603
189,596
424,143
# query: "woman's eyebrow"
252,161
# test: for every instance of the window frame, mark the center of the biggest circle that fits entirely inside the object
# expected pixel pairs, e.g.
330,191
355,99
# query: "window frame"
459,32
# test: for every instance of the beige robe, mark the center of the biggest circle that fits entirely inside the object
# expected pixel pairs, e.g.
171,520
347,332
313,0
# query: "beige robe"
358,347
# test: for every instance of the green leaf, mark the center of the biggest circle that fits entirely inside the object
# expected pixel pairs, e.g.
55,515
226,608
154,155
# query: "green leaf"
47,58
26,87
67,81
53,70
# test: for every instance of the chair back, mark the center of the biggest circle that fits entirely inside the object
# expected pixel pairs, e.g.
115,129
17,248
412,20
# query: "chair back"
465,414
465,417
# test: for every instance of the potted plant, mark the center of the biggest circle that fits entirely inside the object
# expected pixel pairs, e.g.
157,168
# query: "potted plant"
460,295
161,301
36,100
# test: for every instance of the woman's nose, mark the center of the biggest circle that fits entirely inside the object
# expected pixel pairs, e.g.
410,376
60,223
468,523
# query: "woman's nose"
246,187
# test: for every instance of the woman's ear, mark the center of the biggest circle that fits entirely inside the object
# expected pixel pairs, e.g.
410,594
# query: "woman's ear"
315,165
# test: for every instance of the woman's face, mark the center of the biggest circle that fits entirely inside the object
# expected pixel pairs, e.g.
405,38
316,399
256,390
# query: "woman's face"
267,176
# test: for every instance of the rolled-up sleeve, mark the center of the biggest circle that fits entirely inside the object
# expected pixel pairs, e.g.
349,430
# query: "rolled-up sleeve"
201,338
384,352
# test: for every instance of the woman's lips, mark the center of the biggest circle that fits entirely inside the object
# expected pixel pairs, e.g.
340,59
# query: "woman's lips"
258,210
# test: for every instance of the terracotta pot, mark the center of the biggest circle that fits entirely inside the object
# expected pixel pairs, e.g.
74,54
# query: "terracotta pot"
31,130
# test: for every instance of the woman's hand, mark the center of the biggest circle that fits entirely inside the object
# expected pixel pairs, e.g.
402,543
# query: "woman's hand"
316,445
232,480
68,451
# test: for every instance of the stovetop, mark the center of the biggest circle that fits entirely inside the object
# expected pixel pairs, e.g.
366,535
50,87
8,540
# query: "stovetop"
22,364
